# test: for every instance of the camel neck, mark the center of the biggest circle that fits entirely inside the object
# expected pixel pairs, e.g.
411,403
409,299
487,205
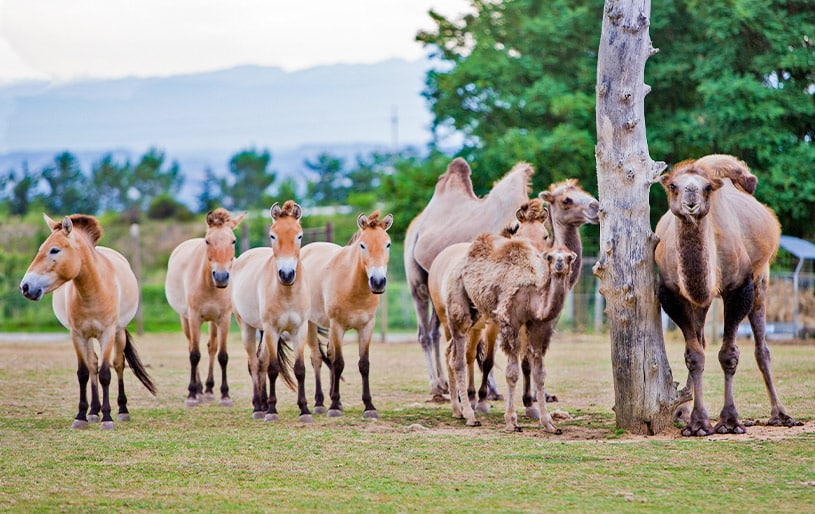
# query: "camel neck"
555,298
694,265
569,236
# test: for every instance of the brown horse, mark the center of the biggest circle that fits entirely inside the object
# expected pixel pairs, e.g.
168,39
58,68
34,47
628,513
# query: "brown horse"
345,285
197,288
270,295
95,296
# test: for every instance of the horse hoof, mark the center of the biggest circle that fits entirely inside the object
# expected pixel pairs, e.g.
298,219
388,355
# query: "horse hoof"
190,402
123,416
482,408
518,429
334,413
320,409
225,402
272,417
93,418
79,424
370,414
258,414
306,418
207,398
106,425
533,412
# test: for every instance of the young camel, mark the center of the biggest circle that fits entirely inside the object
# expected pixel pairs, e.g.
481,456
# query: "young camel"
510,284
446,272
197,288
717,240
454,215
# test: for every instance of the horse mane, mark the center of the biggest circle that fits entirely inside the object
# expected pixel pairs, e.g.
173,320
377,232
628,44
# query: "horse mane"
218,217
88,225
510,230
457,177
287,209
532,210
372,222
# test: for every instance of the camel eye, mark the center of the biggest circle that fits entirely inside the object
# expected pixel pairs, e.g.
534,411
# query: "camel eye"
54,251
567,201
672,188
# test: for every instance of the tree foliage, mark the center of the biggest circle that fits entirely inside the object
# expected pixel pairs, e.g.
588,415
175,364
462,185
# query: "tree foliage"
70,190
249,178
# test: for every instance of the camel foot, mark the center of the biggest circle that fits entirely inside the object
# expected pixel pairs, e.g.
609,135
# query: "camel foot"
438,398
306,418
495,396
334,413
93,418
258,414
473,423
79,424
438,389
482,407
784,420
207,398
190,402
319,409
106,425
516,428
724,428
123,416
225,402
271,417
370,414
533,412
697,430
682,414
550,398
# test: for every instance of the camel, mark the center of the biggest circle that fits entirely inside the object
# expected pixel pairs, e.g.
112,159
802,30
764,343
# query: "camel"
446,270
454,215
716,240
510,284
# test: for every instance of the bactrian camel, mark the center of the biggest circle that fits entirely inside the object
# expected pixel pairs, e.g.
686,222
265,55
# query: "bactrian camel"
454,215
717,240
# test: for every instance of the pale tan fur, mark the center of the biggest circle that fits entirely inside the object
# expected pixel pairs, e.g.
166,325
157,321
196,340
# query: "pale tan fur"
197,298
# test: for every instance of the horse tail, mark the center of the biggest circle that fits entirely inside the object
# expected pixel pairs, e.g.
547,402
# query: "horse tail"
480,353
285,364
136,364
323,346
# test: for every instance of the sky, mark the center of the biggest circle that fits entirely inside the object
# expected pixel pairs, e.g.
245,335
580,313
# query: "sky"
62,41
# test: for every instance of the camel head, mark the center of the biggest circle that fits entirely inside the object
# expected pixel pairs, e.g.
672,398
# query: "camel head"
560,261
570,205
689,189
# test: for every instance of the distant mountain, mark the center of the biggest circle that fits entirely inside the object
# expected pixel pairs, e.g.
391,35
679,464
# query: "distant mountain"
202,119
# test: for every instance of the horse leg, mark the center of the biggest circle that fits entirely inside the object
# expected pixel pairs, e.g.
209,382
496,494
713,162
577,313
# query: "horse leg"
335,335
511,345
207,395
316,363
96,405
106,347
192,328
119,366
300,375
250,345
270,359
364,336
221,331
82,375
490,338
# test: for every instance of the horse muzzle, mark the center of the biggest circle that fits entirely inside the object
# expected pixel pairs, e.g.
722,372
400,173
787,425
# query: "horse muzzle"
220,279
287,277
377,284
31,289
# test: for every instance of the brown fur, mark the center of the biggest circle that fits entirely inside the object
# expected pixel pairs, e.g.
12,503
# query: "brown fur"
727,166
88,225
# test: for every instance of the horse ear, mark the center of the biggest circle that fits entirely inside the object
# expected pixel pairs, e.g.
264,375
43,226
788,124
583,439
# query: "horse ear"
237,219
387,222
53,225
275,210
519,215
67,225
297,211
210,219
362,221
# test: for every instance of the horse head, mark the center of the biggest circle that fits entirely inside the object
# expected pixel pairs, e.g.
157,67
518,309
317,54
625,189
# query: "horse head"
59,258
220,241
286,236
374,244
532,226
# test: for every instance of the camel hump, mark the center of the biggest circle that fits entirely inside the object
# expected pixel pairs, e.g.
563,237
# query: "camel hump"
727,166
456,179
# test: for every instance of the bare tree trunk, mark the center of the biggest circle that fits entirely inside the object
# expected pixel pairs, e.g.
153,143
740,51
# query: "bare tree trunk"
645,394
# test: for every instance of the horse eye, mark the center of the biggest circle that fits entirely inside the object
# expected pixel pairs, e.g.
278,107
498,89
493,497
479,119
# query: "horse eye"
233,241
54,251
299,237
362,245
206,241
388,245
272,237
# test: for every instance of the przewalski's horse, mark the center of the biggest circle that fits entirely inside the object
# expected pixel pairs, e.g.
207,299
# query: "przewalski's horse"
95,296
270,294
345,285
717,240
197,288
454,215
445,276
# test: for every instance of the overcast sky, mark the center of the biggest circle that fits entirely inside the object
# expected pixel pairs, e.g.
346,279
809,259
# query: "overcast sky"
74,39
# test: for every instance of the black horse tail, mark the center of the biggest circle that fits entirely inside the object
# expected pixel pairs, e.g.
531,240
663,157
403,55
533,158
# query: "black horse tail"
481,353
136,364
285,366
323,346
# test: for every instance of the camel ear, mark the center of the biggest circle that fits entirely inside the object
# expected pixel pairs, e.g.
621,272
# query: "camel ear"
664,179
387,222
53,225
750,183
67,225
234,222
275,210
546,196
297,211
716,183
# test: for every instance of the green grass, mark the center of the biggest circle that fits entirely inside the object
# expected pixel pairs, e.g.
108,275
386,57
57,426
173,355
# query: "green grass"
416,457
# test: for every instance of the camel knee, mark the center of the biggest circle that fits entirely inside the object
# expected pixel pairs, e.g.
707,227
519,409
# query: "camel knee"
695,361
729,359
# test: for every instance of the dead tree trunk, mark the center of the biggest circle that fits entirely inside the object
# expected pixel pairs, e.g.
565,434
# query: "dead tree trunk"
645,394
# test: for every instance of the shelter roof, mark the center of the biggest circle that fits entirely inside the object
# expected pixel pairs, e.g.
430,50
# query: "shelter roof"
800,248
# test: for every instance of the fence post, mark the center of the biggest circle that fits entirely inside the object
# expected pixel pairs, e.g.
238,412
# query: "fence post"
134,235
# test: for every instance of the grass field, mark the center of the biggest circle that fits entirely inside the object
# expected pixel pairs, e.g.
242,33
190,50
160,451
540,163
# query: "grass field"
414,458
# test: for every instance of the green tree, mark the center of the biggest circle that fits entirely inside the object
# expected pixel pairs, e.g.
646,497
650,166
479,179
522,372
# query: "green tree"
328,183
113,181
249,178
287,190
19,189
211,196
70,191
150,178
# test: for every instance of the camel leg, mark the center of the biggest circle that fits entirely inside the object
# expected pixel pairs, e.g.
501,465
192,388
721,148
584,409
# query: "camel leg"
428,324
689,319
192,329
455,404
511,347
460,322
119,366
220,330
758,317
316,363
473,342
490,338
535,354
364,337
442,383
335,335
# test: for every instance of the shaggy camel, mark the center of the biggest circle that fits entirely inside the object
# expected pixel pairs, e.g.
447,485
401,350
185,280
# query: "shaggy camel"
454,215
446,272
507,282
717,240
